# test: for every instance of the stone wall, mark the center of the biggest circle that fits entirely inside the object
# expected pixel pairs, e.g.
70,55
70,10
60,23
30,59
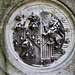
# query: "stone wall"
6,68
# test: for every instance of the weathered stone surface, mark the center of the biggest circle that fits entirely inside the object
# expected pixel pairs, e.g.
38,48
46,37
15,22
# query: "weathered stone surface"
6,67
2,72
70,4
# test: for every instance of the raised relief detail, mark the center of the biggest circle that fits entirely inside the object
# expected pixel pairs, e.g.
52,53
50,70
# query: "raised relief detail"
39,39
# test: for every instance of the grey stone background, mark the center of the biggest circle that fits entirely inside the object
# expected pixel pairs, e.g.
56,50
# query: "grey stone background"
6,68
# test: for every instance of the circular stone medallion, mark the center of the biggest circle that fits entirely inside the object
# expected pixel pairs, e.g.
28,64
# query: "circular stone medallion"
39,36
